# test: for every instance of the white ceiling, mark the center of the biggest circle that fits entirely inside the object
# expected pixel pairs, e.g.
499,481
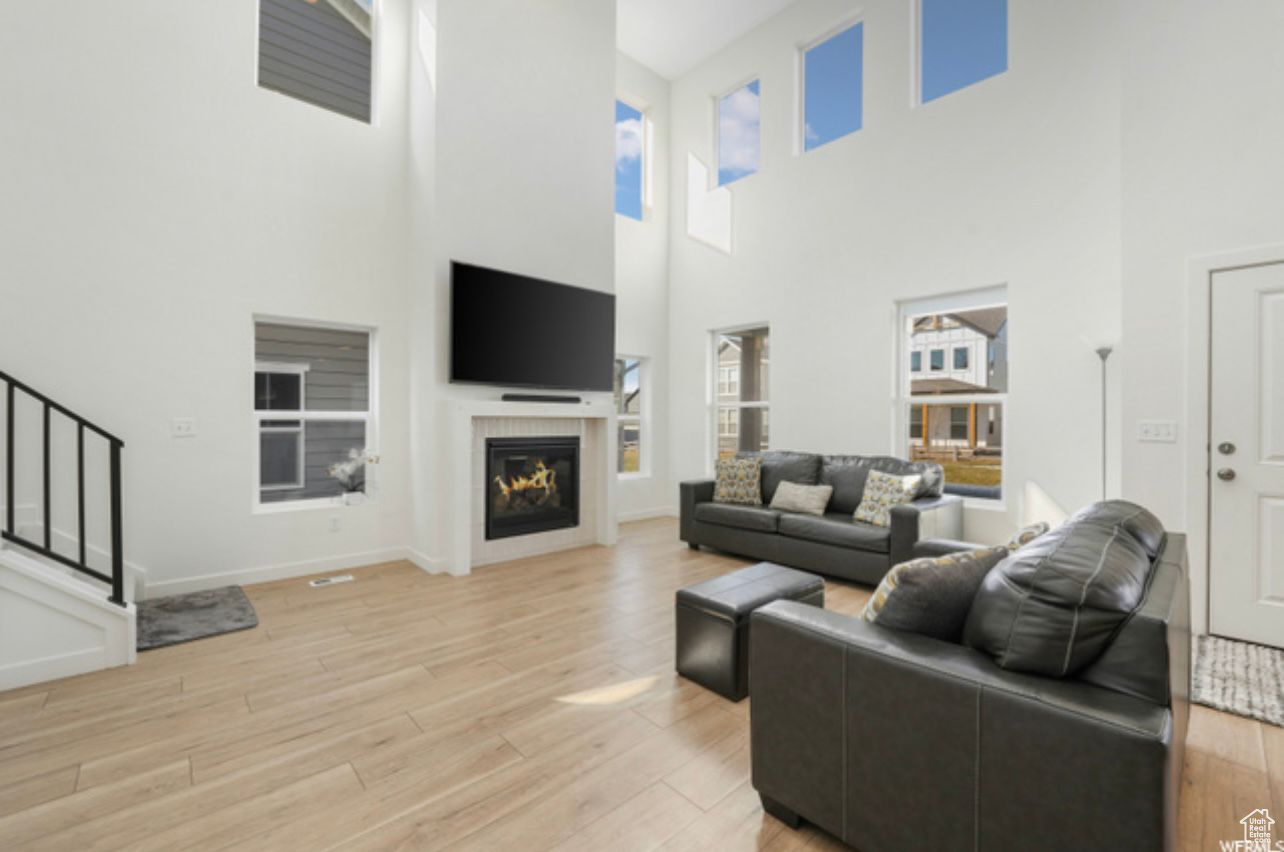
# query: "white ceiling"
673,36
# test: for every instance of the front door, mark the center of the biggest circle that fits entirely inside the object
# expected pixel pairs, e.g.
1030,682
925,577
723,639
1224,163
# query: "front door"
1246,483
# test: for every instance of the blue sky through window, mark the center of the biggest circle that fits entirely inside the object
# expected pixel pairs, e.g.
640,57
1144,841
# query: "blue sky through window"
832,80
628,161
962,42
738,136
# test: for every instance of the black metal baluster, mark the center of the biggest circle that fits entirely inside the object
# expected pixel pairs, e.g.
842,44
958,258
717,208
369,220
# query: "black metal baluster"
8,460
80,489
47,501
117,531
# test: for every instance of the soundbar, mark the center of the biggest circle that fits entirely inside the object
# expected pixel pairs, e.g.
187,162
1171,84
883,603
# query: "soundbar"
537,397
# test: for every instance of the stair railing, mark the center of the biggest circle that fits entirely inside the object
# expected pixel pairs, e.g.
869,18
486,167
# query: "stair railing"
45,548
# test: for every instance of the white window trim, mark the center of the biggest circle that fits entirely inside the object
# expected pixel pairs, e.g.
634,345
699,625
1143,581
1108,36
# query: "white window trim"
800,88
369,416
643,419
716,168
986,297
712,379
916,55
648,152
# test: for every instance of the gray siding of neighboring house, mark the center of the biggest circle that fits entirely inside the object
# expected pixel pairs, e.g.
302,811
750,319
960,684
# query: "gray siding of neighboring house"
337,380
311,52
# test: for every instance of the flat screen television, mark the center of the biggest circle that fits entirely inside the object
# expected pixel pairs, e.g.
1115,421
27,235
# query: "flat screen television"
517,331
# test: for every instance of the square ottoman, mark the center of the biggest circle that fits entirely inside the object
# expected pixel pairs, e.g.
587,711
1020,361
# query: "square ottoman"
713,622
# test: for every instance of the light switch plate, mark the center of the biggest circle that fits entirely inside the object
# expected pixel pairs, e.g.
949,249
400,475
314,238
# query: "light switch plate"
1157,431
183,427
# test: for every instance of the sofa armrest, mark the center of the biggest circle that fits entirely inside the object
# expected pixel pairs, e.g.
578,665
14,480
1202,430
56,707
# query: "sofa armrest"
690,494
854,726
941,547
927,517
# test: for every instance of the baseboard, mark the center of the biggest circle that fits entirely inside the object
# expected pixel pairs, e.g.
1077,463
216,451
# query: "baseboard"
69,664
647,514
426,563
268,573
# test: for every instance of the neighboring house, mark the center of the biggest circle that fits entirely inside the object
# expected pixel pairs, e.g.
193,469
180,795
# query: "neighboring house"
742,375
962,355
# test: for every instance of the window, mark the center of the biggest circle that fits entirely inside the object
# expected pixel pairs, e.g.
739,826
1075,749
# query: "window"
738,133
319,51
832,87
630,414
312,410
630,153
957,421
741,407
960,42
916,361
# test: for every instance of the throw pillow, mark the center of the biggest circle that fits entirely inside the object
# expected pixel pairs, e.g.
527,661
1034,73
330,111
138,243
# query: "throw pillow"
738,481
808,499
882,492
932,596
1025,535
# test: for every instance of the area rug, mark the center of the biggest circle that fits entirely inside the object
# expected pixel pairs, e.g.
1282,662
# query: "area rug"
196,615
1240,678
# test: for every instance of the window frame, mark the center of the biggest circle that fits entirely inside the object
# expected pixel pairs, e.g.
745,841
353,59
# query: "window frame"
642,419
800,89
716,171
916,56
301,372
648,149
987,297
369,417
966,352
717,407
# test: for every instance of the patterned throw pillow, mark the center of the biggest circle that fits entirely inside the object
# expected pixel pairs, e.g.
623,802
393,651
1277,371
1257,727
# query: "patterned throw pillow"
1025,535
808,499
738,481
882,492
932,596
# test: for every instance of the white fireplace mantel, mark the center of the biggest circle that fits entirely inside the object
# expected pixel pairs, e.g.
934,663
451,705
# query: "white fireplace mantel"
463,413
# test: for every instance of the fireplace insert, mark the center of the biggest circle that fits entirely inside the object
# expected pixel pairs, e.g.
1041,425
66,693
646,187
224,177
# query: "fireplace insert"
532,485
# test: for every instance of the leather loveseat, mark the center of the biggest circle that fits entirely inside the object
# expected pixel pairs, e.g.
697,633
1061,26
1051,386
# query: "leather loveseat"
1058,723
834,544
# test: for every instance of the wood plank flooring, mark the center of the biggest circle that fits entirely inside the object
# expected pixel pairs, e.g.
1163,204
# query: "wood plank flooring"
529,706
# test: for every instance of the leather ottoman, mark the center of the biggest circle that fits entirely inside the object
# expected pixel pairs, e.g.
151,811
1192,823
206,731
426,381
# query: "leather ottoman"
713,622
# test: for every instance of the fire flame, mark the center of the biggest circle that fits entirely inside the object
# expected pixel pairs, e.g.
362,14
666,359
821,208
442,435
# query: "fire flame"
543,479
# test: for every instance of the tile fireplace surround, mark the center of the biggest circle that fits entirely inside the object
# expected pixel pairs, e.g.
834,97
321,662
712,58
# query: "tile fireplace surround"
472,422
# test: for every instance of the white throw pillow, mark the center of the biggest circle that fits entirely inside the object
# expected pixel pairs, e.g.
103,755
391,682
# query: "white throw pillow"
882,492
808,499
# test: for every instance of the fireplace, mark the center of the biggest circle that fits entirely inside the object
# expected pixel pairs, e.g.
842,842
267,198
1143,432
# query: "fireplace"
532,485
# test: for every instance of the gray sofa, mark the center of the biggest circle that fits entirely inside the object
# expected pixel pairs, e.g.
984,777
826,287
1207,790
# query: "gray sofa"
834,544
895,741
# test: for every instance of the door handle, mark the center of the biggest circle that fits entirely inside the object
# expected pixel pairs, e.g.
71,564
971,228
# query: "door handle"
1226,448
1226,474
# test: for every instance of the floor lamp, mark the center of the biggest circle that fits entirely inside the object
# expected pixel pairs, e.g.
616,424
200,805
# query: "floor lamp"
1103,352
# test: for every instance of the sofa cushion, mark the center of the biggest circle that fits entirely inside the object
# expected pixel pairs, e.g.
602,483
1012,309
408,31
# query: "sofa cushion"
742,517
784,465
807,499
932,596
847,474
1138,522
882,492
1053,606
739,481
837,529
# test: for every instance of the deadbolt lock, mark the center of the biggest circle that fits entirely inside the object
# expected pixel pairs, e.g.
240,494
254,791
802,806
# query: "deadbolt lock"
1226,448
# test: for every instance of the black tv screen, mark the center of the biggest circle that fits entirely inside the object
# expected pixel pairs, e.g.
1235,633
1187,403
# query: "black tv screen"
517,331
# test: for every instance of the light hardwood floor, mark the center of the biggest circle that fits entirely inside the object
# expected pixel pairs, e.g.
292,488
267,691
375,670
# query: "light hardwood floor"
530,706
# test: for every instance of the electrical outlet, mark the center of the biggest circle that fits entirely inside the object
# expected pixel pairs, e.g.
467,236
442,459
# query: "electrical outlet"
183,427
336,523
1157,431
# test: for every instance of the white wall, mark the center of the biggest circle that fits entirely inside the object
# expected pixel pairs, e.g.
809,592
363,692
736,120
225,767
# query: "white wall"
154,200
521,147
642,294
1012,181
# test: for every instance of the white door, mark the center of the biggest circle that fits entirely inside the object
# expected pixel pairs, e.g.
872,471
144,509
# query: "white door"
1246,589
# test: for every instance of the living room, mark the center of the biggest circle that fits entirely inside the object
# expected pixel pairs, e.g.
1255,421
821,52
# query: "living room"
1020,243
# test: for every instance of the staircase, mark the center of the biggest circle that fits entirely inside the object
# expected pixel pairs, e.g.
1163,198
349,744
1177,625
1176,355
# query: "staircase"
59,615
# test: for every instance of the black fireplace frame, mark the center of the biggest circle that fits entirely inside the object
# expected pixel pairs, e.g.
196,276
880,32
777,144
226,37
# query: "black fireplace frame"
535,526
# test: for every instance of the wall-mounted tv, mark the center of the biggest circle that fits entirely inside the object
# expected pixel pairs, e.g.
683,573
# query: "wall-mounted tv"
517,331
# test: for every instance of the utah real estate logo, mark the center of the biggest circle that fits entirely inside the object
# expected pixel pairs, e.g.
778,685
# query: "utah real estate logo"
1257,835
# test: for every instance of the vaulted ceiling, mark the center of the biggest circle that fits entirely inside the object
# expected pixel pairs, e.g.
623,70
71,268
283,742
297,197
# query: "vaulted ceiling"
673,36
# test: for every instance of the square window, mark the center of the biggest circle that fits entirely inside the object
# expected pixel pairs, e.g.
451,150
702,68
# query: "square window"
319,54
938,359
961,42
629,153
916,362
738,133
832,87
960,358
